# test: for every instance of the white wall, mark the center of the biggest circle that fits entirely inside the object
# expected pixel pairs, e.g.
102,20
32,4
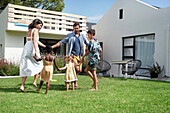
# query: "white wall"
139,19
14,45
3,26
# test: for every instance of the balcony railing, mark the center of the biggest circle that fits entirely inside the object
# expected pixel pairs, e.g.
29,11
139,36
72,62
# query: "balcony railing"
22,16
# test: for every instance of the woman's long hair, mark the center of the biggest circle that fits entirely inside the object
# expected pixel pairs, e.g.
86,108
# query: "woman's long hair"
34,23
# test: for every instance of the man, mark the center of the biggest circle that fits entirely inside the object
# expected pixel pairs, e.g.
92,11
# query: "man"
76,46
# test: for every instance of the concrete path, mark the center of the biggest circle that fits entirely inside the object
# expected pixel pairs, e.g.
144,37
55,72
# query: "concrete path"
19,76
166,79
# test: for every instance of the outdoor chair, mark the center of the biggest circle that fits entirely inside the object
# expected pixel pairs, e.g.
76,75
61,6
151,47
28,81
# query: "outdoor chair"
131,67
103,66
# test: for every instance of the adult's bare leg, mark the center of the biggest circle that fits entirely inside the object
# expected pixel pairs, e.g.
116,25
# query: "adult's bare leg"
22,88
35,80
77,72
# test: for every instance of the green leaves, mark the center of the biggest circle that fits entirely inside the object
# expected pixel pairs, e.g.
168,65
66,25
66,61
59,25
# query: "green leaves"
155,68
53,5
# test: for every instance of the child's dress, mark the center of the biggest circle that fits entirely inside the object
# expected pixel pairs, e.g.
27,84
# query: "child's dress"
70,73
47,71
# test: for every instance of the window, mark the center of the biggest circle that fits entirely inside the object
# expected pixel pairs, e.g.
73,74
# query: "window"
121,14
140,47
128,48
58,50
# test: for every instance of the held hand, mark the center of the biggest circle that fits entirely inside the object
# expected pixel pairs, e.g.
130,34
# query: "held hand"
82,60
35,56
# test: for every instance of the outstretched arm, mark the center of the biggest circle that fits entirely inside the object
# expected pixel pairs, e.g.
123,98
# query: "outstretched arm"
56,64
35,42
84,56
41,44
63,68
63,41
56,45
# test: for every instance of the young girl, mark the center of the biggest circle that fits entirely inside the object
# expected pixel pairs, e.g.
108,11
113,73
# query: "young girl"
47,71
70,75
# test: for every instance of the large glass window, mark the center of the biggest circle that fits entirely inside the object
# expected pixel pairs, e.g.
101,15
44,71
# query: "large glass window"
58,50
143,48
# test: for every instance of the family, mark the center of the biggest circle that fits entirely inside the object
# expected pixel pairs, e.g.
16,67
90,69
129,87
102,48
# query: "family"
31,63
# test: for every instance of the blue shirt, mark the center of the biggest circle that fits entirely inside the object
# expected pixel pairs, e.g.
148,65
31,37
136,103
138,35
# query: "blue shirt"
76,47
70,39
94,48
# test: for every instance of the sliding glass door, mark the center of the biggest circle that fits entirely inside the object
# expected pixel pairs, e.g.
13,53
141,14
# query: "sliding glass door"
143,48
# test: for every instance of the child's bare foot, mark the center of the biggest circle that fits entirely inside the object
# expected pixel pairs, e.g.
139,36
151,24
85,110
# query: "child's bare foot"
93,89
38,90
76,86
46,93
34,84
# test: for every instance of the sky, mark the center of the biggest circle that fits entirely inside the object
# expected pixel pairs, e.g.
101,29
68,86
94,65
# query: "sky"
95,9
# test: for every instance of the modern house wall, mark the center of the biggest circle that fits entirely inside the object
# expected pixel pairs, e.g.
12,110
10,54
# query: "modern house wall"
139,18
3,26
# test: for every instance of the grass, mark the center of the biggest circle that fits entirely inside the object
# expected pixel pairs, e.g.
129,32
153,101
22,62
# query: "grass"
114,95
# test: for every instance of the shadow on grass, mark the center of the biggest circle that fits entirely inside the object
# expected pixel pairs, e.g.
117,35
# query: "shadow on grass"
52,86
16,90
118,78
57,87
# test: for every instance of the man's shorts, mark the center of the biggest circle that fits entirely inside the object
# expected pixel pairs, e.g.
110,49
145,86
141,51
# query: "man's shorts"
76,60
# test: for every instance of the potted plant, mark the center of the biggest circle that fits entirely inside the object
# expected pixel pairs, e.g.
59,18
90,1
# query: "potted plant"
155,70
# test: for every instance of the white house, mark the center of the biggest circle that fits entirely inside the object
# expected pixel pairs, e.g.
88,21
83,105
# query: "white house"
14,21
132,29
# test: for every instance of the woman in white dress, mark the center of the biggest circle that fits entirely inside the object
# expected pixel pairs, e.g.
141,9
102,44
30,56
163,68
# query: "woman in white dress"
28,65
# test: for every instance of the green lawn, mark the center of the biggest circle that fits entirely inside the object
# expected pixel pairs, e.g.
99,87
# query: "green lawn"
114,95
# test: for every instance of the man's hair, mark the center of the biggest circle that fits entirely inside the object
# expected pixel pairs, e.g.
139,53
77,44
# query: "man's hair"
49,48
91,31
76,24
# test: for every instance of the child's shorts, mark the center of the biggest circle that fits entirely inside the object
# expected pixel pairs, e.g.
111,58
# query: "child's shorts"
93,66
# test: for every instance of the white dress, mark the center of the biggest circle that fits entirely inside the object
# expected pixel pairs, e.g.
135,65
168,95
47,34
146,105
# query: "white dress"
70,74
28,65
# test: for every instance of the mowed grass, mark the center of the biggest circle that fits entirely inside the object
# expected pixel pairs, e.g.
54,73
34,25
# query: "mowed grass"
114,95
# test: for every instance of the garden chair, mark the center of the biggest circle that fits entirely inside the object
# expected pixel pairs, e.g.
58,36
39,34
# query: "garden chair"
131,67
103,66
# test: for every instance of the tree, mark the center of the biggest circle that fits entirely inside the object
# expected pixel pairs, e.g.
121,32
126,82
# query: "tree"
53,5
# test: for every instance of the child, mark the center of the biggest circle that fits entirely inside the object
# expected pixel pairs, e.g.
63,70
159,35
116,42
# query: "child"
94,49
70,75
47,71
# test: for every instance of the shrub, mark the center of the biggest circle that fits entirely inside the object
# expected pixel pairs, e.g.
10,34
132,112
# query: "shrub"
8,68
